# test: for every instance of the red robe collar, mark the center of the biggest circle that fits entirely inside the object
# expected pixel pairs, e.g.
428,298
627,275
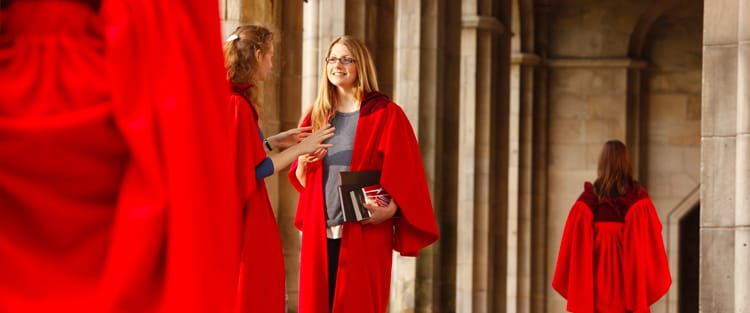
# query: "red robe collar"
614,209
240,89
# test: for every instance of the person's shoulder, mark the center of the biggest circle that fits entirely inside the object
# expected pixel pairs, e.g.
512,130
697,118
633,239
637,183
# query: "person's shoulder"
642,193
236,97
588,196
635,195
376,102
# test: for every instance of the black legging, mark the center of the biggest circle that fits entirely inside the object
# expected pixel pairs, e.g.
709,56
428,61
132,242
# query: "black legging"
333,264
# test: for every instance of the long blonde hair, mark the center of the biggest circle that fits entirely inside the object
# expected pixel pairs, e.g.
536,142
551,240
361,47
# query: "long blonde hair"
367,80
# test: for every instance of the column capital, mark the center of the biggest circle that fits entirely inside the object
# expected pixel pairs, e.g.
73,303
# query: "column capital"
483,23
525,58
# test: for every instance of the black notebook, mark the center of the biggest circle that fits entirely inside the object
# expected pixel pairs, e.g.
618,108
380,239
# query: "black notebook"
358,188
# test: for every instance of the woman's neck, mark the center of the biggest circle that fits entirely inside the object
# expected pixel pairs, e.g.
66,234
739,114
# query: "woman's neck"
346,102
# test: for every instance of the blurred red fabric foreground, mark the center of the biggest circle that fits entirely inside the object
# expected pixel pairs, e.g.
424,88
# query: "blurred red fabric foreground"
116,194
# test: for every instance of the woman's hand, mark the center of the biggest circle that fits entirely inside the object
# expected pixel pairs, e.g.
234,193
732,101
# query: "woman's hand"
288,138
304,160
313,142
379,214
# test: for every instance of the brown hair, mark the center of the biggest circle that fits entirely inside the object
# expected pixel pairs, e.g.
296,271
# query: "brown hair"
614,171
239,51
367,80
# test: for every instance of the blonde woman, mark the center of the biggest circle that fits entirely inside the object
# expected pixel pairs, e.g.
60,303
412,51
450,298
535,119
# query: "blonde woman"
346,267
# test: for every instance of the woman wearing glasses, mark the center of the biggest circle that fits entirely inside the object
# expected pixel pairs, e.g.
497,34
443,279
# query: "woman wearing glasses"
248,53
346,267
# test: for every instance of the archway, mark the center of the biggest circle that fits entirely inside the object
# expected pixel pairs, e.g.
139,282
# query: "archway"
682,238
689,241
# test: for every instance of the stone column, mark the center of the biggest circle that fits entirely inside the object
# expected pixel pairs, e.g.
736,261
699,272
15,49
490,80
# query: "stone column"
229,10
323,21
415,81
520,160
289,95
540,283
474,158
725,158
742,258
519,181
312,55
406,94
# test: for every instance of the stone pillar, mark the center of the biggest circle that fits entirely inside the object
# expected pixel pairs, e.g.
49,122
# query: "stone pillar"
519,181
313,54
520,160
229,10
406,94
430,134
289,95
540,283
588,105
725,159
474,157
323,21
415,81
742,258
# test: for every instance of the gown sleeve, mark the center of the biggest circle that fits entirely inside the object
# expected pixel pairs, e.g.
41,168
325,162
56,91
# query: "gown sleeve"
574,274
404,178
291,174
645,268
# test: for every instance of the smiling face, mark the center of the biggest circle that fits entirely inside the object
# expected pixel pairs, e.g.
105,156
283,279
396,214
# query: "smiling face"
265,63
341,75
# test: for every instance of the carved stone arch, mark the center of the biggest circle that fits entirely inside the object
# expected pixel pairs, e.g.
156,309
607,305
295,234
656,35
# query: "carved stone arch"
639,36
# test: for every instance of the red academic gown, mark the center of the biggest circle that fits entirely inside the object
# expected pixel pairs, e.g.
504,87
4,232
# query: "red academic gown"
612,257
115,181
384,141
261,281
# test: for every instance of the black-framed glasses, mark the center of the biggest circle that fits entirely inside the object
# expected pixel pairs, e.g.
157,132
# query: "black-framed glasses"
342,60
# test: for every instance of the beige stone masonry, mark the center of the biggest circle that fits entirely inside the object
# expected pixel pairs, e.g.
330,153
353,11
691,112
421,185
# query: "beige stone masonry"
519,233
472,255
407,95
725,255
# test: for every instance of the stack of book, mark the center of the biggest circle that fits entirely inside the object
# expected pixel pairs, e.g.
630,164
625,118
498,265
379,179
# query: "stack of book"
358,188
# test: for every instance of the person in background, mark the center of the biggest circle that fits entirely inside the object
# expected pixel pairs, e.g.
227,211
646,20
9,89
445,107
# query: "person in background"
346,267
612,256
116,179
248,55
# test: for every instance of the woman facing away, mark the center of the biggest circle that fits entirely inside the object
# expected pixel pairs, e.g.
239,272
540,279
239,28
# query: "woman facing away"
248,54
346,267
612,256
